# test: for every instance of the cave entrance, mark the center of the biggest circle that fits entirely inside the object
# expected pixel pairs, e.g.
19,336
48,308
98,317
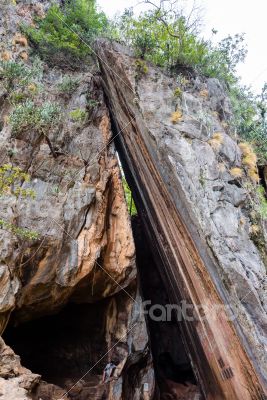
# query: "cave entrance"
64,347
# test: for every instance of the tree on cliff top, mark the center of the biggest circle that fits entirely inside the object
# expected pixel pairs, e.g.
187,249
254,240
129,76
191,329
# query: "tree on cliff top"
166,36
64,36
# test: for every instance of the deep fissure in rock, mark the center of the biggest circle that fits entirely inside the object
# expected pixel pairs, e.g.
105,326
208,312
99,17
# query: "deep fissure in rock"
170,359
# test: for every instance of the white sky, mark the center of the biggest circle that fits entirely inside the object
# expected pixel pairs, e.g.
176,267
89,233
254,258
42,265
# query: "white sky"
228,17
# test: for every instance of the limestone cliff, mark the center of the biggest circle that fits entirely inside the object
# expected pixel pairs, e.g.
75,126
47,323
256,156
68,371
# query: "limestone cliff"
85,250
179,153
71,299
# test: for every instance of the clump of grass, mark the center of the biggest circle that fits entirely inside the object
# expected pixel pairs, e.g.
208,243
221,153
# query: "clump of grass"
177,116
216,141
78,115
6,55
178,92
254,229
236,172
245,148
204,93
254,176
12,72
249,160
21,94
17,97
141,67
92,103
24,55
20,40
68,85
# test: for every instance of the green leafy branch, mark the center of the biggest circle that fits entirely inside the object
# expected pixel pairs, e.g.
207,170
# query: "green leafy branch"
10,184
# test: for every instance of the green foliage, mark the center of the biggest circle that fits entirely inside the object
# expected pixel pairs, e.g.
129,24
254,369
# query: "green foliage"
221,60
91,103
167,38
262,208
21,94
18,74
10,181
250,118
10,184
129,198
141,68
258,216
28,115
68,85
17,97
178,92
162,39
66,32
78,115
16,230
11,72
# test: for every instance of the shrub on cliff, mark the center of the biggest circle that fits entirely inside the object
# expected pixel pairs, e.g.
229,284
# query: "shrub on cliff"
167,37
250,118
28,115
68,85
65,34
18,74
162,37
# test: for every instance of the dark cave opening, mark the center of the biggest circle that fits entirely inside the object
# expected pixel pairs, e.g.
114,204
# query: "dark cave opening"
63,347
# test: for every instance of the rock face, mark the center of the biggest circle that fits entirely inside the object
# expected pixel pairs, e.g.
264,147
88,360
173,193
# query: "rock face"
85,250
15,381
79,209
179,153
70,300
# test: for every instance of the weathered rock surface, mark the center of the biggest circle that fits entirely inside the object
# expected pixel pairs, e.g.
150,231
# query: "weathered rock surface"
183,183
85,250
79,210
15,381
79,276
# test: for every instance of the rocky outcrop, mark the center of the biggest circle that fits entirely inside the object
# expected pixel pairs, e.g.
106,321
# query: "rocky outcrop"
79,210
15,381
179,152
85,251
70,300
